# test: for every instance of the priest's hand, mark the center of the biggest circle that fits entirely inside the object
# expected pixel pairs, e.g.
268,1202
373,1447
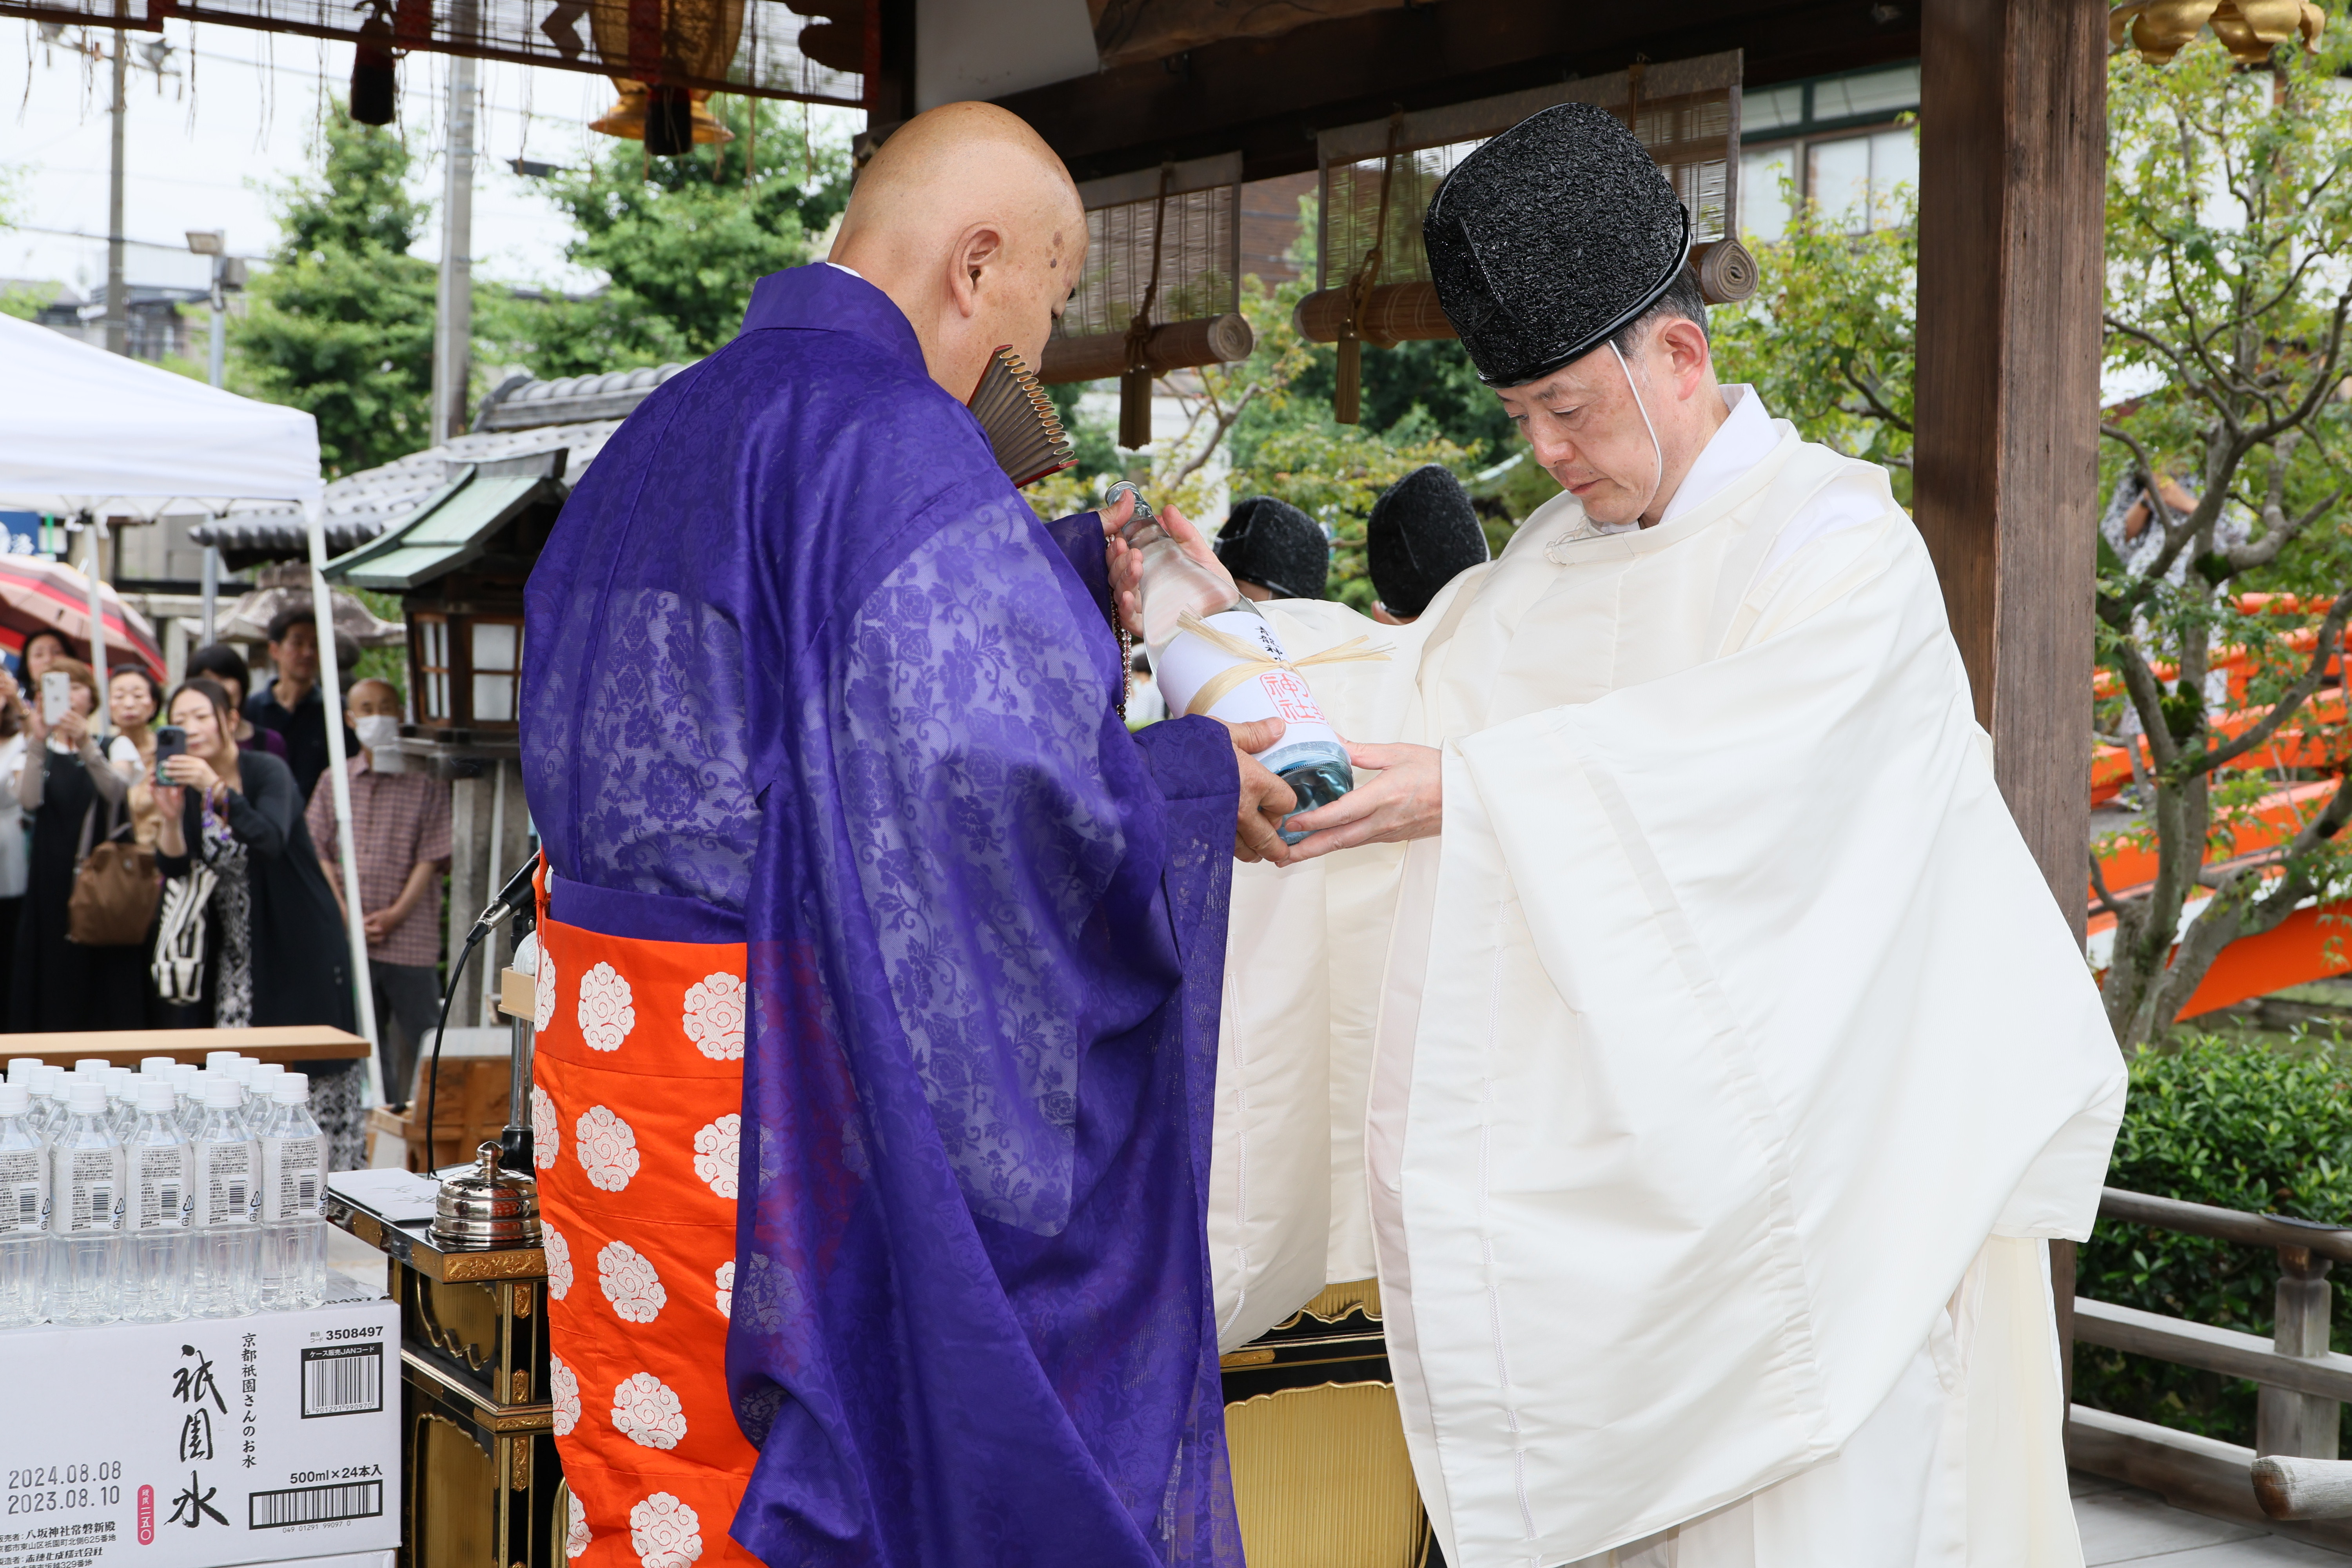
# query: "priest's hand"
1266,800
1126,563
1406,801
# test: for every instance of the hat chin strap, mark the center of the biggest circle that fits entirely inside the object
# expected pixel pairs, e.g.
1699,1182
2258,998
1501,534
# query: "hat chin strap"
1657,452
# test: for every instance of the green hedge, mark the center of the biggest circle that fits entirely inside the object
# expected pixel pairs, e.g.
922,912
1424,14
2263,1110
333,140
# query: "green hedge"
2241,1127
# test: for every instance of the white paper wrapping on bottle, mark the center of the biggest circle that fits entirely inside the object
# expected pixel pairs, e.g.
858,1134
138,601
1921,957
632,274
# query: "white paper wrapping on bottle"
1187,663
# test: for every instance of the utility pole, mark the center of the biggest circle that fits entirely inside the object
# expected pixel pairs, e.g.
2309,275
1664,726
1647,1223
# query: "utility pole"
453,320
118,308
214,244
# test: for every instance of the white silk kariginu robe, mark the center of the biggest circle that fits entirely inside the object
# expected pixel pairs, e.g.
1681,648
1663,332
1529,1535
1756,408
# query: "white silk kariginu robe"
1705,1094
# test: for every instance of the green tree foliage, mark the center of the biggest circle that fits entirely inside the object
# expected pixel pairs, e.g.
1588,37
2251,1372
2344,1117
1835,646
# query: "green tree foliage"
2240,1128
342,322
681,240
1827,338
2228,225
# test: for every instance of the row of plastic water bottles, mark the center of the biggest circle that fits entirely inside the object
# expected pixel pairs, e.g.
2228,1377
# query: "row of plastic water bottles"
166,1194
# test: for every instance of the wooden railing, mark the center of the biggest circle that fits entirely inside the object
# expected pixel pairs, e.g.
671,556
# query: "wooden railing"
2291,1479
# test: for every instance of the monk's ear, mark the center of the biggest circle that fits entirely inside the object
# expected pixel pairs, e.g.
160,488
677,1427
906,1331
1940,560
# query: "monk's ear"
981,248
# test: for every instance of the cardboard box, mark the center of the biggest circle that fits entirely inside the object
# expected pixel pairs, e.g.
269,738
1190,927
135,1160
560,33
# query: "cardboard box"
201,1444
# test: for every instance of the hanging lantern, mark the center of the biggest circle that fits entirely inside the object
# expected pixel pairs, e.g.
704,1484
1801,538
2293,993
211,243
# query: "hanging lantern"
663,49
2249,29
837,40
666,120
390,31
374,94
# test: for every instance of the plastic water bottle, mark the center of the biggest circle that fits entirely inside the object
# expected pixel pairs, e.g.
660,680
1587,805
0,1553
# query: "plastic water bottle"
157,1160
293,1199
122,1109
85,1208
1309,757
24,1206
47,1084
191,1114
222,1279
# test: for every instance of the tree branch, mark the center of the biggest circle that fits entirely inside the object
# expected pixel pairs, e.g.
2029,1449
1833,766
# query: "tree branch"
2331,633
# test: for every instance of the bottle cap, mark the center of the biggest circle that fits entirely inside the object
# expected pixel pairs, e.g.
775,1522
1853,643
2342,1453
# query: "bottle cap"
223,1093
291,1089
183,1079
240,1071
87,1098
212,1059
49,1082
20,1065
155,1094
15,1099
264,1071
120,1082
88,1064
155,1063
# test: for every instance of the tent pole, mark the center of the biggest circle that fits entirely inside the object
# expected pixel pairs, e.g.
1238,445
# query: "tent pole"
212,590
322,606
96,534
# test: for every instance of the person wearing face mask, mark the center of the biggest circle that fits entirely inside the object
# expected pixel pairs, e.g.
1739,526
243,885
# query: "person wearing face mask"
1647,965
400,834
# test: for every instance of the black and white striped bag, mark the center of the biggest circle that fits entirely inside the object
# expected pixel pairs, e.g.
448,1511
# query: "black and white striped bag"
179,964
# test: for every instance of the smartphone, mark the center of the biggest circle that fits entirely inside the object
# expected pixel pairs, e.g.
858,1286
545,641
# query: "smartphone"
170,740
57,695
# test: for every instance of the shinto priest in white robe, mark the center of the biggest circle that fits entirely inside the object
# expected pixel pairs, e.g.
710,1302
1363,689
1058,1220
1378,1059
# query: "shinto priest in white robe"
1703,1095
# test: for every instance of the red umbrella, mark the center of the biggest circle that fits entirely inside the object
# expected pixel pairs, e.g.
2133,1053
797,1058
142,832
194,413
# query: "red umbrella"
38,595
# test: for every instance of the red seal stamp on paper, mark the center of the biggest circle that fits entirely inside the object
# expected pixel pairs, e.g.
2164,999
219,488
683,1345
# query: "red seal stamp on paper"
1291,698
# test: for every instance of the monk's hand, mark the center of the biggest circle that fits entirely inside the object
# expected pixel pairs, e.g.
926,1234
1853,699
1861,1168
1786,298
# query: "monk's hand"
1404,801
1126,563
1266,800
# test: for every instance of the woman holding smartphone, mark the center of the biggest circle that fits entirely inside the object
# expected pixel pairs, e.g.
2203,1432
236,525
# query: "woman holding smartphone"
275,951
134,697
69,787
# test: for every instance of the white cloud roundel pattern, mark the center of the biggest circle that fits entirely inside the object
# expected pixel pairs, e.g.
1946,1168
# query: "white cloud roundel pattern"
543,990
714,1016
666,1532
563,1388
607,1148
717,1149
558,1260
646,1412
726,1289
576,1538
546,1136
606,1015
630,1283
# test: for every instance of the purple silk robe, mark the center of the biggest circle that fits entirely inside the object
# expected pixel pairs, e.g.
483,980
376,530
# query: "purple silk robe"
806,673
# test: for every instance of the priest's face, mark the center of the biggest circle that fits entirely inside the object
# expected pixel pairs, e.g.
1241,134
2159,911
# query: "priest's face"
1588,430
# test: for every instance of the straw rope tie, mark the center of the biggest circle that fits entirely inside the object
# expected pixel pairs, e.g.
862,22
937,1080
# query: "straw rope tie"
1255,661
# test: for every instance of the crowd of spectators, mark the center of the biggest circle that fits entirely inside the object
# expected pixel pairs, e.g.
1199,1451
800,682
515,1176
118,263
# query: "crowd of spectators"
235,809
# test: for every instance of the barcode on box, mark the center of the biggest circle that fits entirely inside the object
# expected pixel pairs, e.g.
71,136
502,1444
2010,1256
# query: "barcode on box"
342,1380
314,1505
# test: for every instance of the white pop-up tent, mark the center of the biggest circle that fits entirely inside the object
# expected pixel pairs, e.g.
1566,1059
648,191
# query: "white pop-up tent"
84,431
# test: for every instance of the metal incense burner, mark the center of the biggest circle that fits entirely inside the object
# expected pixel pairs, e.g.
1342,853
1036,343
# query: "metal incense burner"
487,1207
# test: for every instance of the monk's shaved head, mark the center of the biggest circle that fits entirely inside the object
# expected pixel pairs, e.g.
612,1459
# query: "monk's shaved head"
972,226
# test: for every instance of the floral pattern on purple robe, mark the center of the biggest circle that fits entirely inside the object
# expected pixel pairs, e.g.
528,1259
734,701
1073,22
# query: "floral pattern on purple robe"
804,669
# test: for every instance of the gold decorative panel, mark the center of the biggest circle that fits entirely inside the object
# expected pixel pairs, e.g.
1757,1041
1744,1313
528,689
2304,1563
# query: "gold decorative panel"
1322,1481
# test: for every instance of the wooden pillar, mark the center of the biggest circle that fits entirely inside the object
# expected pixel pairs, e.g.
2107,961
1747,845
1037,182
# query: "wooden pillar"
2303,1424
2012,119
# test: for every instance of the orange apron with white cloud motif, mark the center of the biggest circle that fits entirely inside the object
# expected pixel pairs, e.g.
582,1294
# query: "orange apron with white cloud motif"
636,1110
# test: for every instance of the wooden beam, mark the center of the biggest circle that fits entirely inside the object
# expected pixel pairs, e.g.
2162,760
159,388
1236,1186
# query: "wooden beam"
2186,1470
2011,186
2326,1375
1266,97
